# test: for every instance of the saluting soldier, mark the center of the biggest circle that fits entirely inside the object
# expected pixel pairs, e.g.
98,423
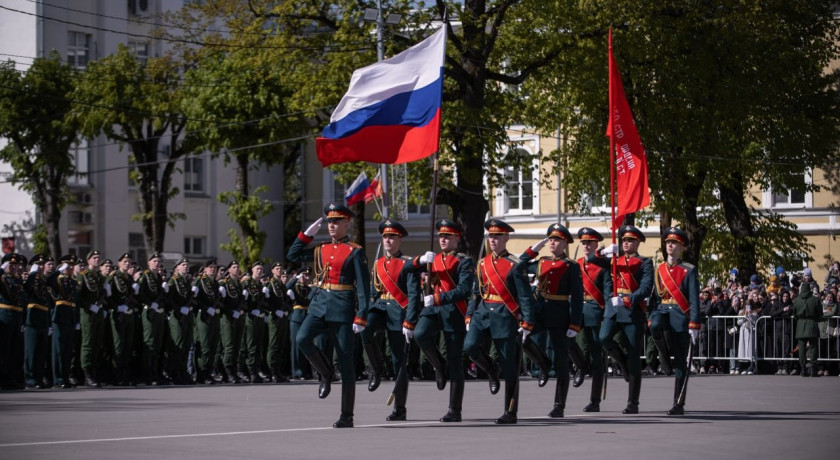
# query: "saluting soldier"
36,336
395,309
120,290
558,304
65,316
627,311
231,321
445,310
12,297
277,311
298,289
153,315
205,300
675,311
597,286
499,308
179,301
255,321
339,305
90,298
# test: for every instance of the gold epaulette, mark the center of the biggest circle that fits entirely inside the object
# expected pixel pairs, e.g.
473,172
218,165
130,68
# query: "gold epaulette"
354,245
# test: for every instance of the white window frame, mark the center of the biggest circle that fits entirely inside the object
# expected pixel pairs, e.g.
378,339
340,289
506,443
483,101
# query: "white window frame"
189,174
77,51
768,196
140,50
190,251
80,157
531,145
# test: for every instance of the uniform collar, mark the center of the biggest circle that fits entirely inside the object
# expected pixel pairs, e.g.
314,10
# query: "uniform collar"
395,256
500,255
343,239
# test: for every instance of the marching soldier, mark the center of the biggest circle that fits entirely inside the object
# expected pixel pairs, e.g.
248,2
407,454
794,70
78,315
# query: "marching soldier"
120,290
65,316
558,303
626,312
153,315
499,308
395,309
38,315
597,286
205,299
232,321
179,301
93,315
339,305
277,305
675,310
255,321
445,310
12,297
298,289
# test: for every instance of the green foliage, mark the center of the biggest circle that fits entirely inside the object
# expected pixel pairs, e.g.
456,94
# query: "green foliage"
246,211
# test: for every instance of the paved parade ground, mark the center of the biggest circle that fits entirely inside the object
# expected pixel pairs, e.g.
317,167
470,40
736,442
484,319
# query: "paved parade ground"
727,417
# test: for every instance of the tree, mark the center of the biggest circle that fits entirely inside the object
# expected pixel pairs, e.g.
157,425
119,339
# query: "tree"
35,118
140,105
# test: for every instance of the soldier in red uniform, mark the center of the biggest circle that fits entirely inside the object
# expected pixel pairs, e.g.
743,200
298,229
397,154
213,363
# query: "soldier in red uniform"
395,309
558,308
339,304
500,307
675,310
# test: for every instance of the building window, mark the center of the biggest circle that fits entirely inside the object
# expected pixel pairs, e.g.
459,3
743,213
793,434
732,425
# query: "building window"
78,49
519,194
797,196
140,50
194,245
194,175
80,157
137,247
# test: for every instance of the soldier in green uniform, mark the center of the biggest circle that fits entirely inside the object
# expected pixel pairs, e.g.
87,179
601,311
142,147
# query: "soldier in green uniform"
626,312
807,311
153,315
231,321
298,290
339,304
205,301
395,309
12,297
65,316
675,312
92,317
256,307
120,290
36,335
277,310
178,304
559,304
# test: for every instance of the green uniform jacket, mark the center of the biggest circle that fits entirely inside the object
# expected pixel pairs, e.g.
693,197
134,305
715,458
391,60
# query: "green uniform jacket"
37,293
807,311
150,289
121,291
409,283
63,292
90,288
179,295
233,300
208,294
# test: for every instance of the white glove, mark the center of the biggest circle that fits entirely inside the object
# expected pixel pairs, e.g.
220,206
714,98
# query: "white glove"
122,308
223,291
22,328
246,293
94,308
4,266
211,311
236,314
185,310
358,328
34,268
104,314
279,313
156,307
610,251
571,333
107,288
314,228
408,333
616,302
467,327
136,288
428,301
255,312
62,267
539,245
266,292
194,290
49,331
694,333
78,327
525,333
427,258
291,294
165,286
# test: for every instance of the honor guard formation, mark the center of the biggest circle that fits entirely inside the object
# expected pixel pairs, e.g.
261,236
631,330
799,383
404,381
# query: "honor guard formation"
441,315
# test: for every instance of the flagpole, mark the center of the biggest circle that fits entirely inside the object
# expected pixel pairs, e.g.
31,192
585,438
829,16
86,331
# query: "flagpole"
435,163
611,123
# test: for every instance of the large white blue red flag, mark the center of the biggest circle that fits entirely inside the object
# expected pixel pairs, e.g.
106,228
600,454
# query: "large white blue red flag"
391,112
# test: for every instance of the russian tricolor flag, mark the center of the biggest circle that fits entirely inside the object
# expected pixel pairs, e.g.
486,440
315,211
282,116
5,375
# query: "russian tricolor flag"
391,112
362,190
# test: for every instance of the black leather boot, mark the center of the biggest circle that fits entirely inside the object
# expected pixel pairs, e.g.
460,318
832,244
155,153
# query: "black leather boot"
619,357
635,388
560,397
376,366
255,375
439,364
325,370
511,404
456,396
537,356
595,394
488,365
580,362
348,400
232,375
679,396
91,381
664,355
277,376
